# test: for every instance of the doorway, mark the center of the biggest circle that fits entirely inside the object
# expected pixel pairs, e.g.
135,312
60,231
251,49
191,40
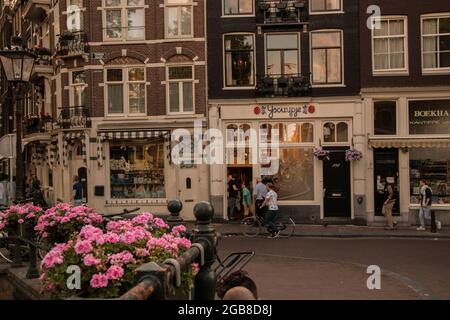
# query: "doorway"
385,169
242,174
336,184
82,174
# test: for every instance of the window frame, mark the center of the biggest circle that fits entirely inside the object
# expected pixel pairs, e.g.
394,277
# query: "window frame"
166,16
81,11
266,50
336,122
397,120
72,87
317,12
224,51
432,71
238,15
124,21
397,71
180,89
327,84
125,90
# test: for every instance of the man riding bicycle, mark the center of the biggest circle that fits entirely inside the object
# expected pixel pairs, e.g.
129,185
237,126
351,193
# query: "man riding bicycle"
272,212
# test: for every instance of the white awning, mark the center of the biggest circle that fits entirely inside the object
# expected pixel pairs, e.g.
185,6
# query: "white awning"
140,134
409,142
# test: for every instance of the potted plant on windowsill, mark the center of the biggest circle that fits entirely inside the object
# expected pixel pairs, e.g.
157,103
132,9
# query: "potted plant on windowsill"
353,154
321,154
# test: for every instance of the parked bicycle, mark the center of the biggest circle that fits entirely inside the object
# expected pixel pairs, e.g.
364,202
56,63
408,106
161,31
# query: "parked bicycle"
252,226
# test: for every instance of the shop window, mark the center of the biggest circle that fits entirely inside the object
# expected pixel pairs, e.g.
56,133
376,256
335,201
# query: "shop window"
238,144
307,132
329,132
433,165
385,114
237,7
335,132
137,169
287,132
239,60
296,174
342,132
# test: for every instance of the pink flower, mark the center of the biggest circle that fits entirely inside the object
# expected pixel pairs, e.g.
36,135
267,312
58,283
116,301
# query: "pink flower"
196,268
115,273
177,230
52,259
111,237
84,246
20,221
140,252
90,260
31,215
99,281
160,223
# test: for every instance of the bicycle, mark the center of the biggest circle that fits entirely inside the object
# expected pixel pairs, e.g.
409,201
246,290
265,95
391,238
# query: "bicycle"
252,226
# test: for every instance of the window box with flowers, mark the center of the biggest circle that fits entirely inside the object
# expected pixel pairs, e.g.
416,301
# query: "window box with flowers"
353,155
321,154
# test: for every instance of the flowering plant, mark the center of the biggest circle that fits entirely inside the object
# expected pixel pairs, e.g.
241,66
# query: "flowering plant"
58,223
26,215
321,154
108,258
353,155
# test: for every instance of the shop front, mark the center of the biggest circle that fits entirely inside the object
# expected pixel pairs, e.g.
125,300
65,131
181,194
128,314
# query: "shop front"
309,189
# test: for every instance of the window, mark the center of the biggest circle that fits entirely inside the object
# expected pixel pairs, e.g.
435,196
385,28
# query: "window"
126,90
124,19
237,7
390,45
238,148
436,43
282,56
137,169
75,15
433,165
77,89
325,5
180,88
385,113
239,60
326,57
179,19
335,132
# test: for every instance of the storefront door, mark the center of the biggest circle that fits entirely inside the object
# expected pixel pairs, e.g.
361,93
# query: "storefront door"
385,169
336,184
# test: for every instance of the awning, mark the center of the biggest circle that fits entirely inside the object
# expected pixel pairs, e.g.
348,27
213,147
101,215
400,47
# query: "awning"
134,134
409,142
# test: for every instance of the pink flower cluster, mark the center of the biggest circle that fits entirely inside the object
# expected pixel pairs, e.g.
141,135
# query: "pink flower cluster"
19,214
55,256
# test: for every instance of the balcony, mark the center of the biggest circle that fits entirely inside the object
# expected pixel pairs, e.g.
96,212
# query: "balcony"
43,64
293,85
75,118
37,124
282,12
72,44
35,10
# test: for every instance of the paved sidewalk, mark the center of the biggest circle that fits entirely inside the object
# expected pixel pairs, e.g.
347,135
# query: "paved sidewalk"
343,231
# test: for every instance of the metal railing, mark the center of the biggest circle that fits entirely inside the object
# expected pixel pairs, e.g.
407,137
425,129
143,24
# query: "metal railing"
282,11
291,85
75,117
37,125
70,44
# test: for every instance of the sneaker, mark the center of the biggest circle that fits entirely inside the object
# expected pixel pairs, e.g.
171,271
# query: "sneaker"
271,236
421,229
438,225
277,234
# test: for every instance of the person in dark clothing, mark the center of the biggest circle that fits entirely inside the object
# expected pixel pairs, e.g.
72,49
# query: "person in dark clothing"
388,205
232,197
77,194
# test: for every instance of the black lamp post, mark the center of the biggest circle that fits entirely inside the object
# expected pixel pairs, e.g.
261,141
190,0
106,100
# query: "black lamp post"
18,64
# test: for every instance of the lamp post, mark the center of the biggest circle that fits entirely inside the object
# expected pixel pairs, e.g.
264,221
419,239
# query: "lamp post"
18,65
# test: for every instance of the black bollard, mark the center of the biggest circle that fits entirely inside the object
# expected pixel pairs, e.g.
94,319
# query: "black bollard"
17,262
205,234
433,222
32,272
174,207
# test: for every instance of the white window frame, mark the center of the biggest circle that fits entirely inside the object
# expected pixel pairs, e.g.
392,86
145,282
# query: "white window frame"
72,87
166,16
299,45
432,71
225,86
327,85
395,71
180,89
237,15
124,21
81,11
336,143
339,11
125,90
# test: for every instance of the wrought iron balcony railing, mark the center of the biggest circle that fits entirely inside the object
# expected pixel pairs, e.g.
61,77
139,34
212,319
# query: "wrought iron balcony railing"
72,44
75,117
37,124
283,11
292,85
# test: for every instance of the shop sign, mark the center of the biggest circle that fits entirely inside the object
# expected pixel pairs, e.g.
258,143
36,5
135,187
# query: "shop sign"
429,117
284,111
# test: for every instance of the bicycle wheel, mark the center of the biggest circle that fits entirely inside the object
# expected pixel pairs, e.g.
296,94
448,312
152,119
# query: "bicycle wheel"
251,227
286,226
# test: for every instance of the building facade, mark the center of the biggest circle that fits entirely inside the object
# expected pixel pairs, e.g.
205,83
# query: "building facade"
291,66
123,76
405,79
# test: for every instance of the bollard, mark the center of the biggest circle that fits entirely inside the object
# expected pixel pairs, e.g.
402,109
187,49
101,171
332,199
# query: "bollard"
205,234
32,272
433,222
17,262
174,207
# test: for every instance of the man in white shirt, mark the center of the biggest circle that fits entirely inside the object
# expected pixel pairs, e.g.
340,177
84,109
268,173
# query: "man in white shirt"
271,202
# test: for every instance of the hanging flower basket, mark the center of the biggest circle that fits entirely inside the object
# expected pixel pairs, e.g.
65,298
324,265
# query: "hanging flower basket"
321,154
353,155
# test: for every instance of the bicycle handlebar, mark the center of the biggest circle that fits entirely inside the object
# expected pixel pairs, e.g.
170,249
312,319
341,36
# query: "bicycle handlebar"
124,212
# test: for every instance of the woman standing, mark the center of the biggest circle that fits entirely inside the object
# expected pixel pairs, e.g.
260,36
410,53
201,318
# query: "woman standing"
271,202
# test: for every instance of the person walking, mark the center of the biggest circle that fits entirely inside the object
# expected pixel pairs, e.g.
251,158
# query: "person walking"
425,206
77,192
3,190
272,212
260,196
246,199
388,205
232,197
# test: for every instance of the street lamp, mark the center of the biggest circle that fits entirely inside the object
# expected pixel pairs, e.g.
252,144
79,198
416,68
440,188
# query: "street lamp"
18,65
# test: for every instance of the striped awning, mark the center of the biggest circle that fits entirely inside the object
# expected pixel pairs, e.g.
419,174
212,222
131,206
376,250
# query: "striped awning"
409,142
134,134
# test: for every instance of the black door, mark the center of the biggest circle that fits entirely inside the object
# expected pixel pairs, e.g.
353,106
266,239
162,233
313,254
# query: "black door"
82,174
336,184
385,169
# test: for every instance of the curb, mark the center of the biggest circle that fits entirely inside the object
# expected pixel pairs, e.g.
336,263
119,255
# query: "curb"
361,235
